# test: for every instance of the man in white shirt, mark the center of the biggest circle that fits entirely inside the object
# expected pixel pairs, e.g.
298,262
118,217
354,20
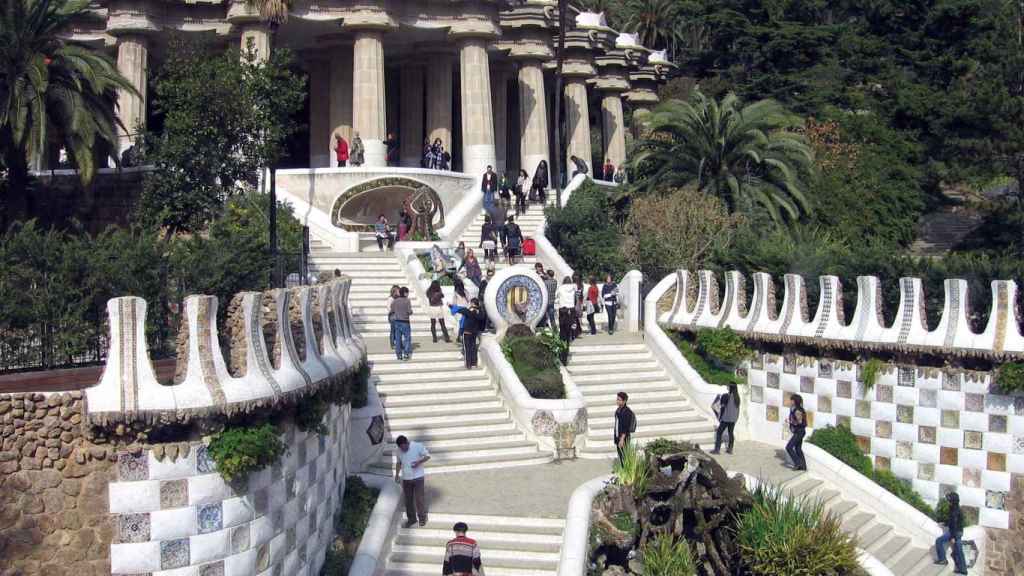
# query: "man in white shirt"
411,457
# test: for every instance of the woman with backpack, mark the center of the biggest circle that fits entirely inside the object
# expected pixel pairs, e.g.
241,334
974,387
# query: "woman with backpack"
610,297
727,408
953,533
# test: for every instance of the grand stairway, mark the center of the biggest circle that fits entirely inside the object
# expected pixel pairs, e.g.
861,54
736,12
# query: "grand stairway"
529,223
509,546
601,366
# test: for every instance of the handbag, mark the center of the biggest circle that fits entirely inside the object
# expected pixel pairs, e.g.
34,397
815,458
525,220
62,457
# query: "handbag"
590,307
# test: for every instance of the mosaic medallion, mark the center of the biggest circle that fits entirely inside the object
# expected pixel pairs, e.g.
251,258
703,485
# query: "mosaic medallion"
520,300
544,423
376,430
240,538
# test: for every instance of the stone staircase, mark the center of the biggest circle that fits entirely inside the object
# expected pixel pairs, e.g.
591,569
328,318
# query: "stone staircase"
455,412
509,546
529,222
601,366
889,544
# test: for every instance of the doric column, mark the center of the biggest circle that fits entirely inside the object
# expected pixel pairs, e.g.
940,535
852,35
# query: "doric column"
368,94
321,149
499,107
577,122
439,99
477,121
256,37
340,99
411,126
533,116
132,53
614,128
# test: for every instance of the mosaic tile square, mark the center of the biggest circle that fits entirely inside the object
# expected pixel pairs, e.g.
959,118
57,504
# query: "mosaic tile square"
950,418
757,394
904,414
825,369
951,380
971,514
789,364
174,553
882,463
212,569
810,419
132,467
972,477
263,557
173,494
204,464
906,376
997,423
844,421
997,462
865,443
276,472
321,441
210,518
904,450
312,523
844,389
825,404
925,471
261,502
772,413
883,429
862,409
806,385
928,398
883,393
1018,444
773,380
926,434
995,500
278,570
974,402
948,456
973,439
133,528
240,538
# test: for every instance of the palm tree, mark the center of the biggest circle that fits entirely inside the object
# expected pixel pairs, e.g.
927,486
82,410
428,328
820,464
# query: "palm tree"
657,23
749,156
49,86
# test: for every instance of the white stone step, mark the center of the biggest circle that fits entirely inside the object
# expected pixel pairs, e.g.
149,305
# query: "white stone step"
659,424
518,559
610,358
386,368
595,447
396,390
640,377
412,376
482,407
431,355
432,569
510,440
580,348
583,368
491,450
672,405
488,540
419,425
400,400
466,431
483,460
653,387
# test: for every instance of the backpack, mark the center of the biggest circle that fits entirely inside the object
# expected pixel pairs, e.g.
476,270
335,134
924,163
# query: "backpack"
529,247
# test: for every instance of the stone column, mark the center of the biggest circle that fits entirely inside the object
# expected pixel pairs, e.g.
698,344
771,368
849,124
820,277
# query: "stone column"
340,99
533,116
439,99
132,53
499,107
614,129
256,37
321,150
411,126
368,94
577,122
477,121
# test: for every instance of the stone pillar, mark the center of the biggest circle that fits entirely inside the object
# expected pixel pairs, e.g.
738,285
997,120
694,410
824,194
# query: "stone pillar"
577,122
499,107
533,116
368,94
614,129
256,37
439,99
132,53
321,149
340,99
477,120
411,126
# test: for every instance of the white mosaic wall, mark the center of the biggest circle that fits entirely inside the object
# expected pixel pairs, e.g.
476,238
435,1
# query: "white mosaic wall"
180,518
939,429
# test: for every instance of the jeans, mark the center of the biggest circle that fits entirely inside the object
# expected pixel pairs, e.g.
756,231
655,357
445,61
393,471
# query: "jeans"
415,502
550,316
590,322
958,550
469,348
619,448
391,332
403,339
611,309
795,450
722,428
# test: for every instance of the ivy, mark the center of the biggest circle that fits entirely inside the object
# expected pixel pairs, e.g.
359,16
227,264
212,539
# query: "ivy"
239,450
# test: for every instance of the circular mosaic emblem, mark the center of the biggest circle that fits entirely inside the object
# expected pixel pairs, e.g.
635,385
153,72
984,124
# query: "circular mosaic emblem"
514,296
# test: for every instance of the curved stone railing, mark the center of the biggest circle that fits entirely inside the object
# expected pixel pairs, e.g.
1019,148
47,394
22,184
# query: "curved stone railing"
313,344
554,424
698,303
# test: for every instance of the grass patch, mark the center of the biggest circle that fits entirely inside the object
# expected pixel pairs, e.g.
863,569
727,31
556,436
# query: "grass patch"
709,373
350,524
665,556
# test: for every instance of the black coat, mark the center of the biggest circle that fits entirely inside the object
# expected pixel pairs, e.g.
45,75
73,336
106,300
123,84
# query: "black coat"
489,183
625,422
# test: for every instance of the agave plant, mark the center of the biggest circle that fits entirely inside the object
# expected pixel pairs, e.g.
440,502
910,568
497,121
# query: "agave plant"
632,469
666,556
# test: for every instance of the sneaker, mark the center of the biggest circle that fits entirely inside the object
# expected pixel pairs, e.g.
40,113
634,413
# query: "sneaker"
423,522
942,562
409,524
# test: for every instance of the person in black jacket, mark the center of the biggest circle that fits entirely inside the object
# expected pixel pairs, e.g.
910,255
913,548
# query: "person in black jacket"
798,426
474,323
625,423
954,531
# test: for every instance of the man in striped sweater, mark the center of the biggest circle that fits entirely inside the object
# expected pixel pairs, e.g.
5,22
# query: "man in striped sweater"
462,554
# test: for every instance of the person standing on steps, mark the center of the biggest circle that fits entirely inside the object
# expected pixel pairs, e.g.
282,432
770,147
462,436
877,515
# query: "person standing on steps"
462,554
592,305
521,189
515,240
488,239
474,322
539,186
382,232
504,192
409,461
610,297
340,150
395,290
391,149
435,298
565,301
727,408
489,187
625,423
954,532
798,426
401,309
552,285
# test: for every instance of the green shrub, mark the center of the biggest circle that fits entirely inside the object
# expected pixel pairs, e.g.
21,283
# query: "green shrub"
840,442
337,561
782,536
709,373
556,345
869,374
902,489
586,234
662,446
722,346
356,507
536,364
1010,377
309,414
632,469
665,556
239,450
428,266
361,387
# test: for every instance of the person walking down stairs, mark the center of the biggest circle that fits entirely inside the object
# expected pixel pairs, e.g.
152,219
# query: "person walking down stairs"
727,408
474,322
401,312
625,423
462,554
610,296
435,298
409,461
798,426
954,531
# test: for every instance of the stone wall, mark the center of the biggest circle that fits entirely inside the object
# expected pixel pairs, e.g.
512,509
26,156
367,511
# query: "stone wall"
1004,555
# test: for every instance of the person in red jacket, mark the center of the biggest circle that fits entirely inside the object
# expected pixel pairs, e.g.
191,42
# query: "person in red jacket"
340,150
462,554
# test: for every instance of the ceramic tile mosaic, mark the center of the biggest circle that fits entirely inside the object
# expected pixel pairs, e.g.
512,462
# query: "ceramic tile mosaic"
862,409
997,423
772,413
906,376
973,439
825,404
865,443
928,398
950,418
843,421
926,434
133,528
757,362
996,462
995,500
904,450
239,538
904,414
972,477
376,430
825,369
757,394
883,393
789,364
1018,444
1018,405
883,429
844,389
925,471
132,467
883,463
210,518
289,539
276,473
289,486
174,553
212,569
301,452
773,380
951,380
173,494
204,464
806,385
974,402
948,456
